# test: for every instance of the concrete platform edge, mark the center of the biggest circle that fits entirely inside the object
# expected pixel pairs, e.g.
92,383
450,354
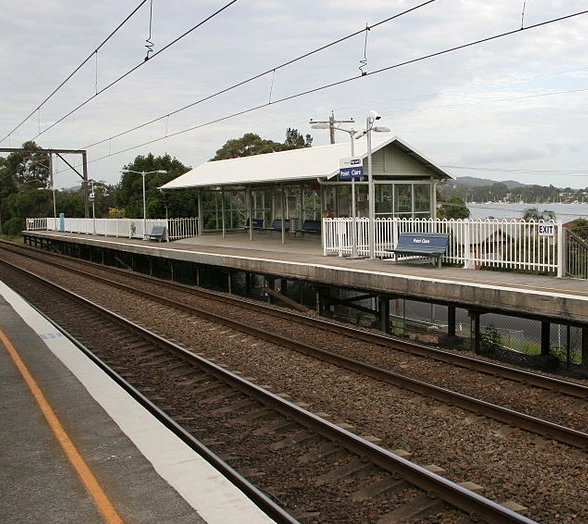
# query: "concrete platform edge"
214,498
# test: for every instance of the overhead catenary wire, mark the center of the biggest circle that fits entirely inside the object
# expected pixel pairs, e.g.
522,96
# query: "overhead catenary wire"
84,62
271,71
133,69
340,82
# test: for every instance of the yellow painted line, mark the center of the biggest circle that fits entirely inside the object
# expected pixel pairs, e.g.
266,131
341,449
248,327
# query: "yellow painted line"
94,489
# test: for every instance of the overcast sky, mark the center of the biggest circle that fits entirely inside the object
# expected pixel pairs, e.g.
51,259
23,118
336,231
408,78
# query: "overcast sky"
512,108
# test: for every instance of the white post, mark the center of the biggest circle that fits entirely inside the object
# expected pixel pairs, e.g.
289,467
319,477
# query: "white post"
144,207
371,203
353,206
562,249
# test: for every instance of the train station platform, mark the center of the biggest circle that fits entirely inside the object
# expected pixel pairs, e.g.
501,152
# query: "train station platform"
508,292
76,448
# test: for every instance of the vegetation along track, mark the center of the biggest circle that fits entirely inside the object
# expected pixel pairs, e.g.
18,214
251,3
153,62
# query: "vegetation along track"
468,447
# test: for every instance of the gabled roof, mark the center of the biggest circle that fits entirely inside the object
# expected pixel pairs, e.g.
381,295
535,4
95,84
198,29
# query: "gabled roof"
295,165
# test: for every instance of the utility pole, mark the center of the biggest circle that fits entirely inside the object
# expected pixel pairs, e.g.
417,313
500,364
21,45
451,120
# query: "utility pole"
330,123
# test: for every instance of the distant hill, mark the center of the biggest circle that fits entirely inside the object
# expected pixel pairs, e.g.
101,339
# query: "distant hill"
470,181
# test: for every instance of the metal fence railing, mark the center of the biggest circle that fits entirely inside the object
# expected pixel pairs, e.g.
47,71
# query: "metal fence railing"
576,256
511,245
176,228
507,244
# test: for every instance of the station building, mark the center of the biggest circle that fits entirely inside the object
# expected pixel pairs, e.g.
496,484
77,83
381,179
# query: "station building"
305,184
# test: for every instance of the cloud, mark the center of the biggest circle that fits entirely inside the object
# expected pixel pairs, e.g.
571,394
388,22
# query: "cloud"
502,155
515,102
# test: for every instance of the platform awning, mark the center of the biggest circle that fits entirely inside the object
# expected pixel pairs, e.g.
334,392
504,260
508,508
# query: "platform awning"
296,165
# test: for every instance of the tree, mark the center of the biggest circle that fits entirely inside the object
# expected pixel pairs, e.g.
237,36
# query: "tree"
30,167
24,180
294,140
71,203
128,194
533,213
454,208
579,226
499,191
251,144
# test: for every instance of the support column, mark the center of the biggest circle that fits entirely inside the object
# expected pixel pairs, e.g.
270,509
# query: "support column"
384,314
269,283
451,318
200,214
584,363
321,299
545,338
224,226
475,335
568,346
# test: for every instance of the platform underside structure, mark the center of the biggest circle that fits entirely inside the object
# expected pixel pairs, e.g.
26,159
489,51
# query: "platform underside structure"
395,299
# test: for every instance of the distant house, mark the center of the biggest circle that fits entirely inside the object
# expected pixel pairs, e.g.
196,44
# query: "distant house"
489,247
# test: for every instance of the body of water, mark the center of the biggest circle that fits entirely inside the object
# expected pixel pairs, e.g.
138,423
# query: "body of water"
563,212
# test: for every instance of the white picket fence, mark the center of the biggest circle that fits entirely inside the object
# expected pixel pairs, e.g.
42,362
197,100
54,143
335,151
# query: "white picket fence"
508,244
176,228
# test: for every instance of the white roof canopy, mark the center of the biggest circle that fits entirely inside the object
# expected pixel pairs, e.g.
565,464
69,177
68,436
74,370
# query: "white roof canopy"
295,165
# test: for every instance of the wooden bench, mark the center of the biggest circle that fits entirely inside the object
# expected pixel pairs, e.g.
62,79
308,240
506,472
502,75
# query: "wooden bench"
430,245
256,223
157,233
312,227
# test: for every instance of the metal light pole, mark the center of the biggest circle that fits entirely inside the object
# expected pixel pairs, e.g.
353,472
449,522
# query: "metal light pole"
143,174
369,127
371,204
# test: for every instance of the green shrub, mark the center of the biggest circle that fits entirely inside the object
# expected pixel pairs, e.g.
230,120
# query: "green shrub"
490,341
13,226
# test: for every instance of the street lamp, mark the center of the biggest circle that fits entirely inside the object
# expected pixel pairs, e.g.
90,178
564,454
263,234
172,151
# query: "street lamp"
350,132
143,173
371,118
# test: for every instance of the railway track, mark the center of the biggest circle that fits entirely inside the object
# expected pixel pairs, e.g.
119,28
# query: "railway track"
339,476
525,384
548,389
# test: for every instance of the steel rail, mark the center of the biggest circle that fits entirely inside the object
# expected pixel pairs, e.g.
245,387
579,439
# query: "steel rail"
477,506
504,415
491,368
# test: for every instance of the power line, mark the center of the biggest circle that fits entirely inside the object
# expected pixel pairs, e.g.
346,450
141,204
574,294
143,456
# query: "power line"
345,81
92,54
114,82
272,70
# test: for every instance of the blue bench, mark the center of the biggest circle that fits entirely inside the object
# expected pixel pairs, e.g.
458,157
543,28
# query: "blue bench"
277,225
430,245
312,227
256,223
157,233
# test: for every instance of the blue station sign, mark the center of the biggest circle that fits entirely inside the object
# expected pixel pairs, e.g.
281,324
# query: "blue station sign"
350,168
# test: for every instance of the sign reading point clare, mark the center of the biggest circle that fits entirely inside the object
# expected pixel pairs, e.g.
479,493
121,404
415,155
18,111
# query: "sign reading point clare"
350,168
